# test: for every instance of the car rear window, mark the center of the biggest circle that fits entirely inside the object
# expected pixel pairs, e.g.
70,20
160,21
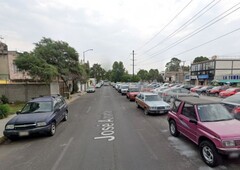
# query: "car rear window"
233,99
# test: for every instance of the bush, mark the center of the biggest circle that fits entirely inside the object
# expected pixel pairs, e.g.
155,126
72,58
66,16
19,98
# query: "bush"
4,99
4,110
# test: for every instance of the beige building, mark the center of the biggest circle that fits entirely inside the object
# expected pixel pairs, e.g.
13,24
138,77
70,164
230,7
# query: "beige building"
219,69
4,71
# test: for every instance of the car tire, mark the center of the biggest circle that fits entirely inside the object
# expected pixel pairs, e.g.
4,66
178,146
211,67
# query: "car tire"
52,129
65,118
173,128
146,111
216,94
209,154
13,138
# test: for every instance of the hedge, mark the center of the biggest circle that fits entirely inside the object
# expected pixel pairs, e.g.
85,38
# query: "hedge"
4,110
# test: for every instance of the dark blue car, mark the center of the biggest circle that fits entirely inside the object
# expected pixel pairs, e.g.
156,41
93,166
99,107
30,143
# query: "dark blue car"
40,115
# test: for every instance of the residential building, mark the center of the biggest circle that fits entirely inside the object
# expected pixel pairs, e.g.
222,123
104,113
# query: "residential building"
219,69
4,71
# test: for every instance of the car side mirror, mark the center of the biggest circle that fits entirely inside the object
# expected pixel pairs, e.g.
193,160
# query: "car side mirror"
18,112
193,121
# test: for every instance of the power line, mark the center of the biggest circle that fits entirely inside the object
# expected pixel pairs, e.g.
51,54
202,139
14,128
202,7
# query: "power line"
207,42
200,29
166,24
191,20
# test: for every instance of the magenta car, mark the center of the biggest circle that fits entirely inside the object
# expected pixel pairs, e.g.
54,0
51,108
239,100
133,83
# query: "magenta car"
208,124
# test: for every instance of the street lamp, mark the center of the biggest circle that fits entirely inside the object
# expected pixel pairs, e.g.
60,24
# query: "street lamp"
84,54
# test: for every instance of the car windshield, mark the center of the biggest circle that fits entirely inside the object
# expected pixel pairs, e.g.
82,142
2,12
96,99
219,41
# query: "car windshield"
152,98
124,87
233,99
134,90
213,113
36,107
216,88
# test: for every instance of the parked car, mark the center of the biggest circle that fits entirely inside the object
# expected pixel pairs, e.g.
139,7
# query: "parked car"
40,115
187,86
216,90
229,92
195,88
90,89
203,90
151,103
208,124
132,93
124,89
232,104
172,93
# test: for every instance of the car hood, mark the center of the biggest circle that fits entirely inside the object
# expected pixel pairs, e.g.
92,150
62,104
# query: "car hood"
224,129
29,118
156,103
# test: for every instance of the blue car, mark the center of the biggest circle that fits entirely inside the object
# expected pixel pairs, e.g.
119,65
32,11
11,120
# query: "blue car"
40,115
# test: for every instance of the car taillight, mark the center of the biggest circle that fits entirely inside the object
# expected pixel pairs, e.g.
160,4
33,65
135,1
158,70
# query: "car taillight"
164,94
236,109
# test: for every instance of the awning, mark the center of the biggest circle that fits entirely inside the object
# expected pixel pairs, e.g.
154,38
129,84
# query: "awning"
230,81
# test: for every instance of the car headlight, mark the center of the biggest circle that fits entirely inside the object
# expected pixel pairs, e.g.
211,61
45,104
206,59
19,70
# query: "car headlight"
229,143
9,127
41,124
167,107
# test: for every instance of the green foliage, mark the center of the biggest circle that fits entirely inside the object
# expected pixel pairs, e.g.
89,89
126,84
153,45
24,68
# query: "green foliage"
143,74
96,71
4,109
118,71
173,65
4,99
200,59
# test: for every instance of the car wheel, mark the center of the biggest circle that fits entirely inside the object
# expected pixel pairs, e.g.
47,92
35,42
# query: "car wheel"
52,130
173,128
65,118
216,94
146,111
209,154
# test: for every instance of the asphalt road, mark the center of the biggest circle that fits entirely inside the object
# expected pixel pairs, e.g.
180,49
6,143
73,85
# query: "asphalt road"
106,132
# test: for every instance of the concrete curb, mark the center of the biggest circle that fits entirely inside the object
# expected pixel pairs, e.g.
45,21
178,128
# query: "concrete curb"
72,98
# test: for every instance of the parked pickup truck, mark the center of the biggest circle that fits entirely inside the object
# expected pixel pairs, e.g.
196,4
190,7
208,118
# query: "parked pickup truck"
208,124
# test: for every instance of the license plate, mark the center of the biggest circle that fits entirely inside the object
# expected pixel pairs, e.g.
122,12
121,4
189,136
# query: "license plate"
161,111
23,133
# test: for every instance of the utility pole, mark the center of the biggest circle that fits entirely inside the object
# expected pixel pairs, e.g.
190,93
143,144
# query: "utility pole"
133,63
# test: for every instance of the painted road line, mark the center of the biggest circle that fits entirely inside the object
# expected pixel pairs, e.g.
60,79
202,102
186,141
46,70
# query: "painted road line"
89,108
55,166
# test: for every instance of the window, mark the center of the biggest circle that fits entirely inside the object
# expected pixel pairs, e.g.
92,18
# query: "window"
174,105
189,111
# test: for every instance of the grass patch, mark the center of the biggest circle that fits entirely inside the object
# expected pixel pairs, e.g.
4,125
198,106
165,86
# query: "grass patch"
15,107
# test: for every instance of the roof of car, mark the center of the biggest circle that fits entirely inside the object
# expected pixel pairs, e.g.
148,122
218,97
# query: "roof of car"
45,98
148,93
196,100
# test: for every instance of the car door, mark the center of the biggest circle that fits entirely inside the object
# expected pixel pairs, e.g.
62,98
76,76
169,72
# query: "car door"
58,111
186,127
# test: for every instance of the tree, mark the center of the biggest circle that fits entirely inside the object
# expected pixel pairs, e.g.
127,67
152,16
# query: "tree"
96,71
153,74
37,68
142,74
173,65
118,71
50,58
200,59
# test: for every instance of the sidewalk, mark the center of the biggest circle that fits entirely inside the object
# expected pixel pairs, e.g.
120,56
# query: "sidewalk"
3,122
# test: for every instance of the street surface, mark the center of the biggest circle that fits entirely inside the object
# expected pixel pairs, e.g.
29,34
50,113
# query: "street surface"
106,132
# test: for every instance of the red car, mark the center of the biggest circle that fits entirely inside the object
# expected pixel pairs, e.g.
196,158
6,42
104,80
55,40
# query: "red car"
216,90
132,93
195,88
229,92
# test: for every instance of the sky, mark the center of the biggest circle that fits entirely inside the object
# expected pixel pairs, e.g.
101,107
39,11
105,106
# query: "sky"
157,30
